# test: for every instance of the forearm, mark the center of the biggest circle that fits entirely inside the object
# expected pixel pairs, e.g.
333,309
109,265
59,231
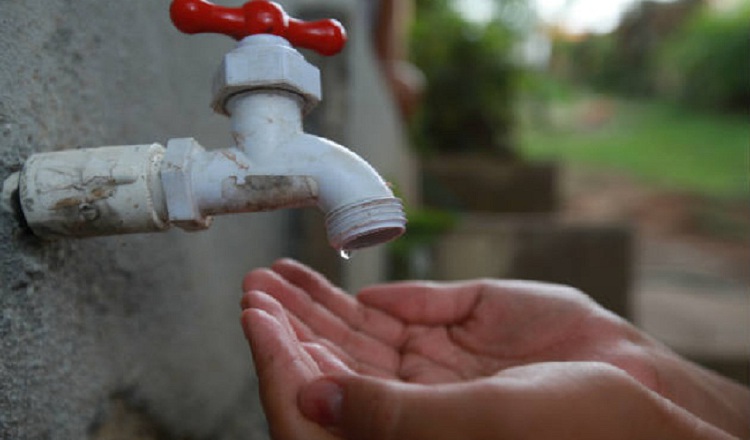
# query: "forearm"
391,37
715,399
707,395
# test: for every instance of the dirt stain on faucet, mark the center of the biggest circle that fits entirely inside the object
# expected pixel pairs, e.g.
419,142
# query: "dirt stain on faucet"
264,193
233,157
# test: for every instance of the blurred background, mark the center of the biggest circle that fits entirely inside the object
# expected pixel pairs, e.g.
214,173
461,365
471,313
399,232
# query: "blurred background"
599,144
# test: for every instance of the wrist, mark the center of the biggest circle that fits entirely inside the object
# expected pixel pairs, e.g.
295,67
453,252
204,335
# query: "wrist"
704,393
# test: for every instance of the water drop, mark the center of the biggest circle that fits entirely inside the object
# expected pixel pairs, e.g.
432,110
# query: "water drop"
345,254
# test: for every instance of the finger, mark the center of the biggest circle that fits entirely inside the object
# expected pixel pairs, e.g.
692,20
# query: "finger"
298,331
358,316
308,336
328,363
262,301
322,322
303,332
424,303
373,409
273,347
282,370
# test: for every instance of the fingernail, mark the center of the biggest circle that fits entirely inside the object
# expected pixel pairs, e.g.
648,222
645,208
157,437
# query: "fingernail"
321,402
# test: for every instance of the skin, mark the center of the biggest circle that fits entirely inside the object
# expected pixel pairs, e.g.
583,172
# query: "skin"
479,359
391,40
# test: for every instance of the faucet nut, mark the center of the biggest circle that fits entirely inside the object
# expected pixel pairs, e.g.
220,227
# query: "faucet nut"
176,179
265,62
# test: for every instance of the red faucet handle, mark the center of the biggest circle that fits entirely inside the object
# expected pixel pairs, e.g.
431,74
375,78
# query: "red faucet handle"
327,37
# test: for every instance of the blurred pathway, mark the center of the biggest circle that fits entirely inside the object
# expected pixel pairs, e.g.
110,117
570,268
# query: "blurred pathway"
691,289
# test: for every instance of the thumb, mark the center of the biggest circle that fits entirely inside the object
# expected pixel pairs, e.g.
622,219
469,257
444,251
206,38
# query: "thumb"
366,408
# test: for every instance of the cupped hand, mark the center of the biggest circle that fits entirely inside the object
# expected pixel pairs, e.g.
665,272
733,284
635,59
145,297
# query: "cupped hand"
543,401
283,365
429,333
424,332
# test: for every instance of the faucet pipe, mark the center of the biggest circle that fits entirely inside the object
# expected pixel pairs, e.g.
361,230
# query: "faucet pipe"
265,86
147,188
136,189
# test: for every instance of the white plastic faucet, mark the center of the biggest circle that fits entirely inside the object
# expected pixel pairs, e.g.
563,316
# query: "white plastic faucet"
265,86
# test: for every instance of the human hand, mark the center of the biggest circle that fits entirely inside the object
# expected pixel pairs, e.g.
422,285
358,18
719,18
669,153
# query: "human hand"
446,333
283,365
544,401
568,400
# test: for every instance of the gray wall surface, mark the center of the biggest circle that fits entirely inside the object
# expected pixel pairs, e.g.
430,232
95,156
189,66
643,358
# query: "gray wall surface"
131,336
137,337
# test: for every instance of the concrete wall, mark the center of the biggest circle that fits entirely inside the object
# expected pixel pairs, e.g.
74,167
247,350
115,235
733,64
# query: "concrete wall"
133,336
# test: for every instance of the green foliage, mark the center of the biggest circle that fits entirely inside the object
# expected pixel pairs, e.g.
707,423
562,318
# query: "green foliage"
467,106
706,63
593,61
425,227
674,50
659,142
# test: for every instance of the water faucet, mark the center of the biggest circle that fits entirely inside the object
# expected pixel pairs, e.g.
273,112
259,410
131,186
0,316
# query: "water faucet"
264,86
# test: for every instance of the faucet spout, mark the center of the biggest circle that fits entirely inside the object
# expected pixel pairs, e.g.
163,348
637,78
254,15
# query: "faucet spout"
360,208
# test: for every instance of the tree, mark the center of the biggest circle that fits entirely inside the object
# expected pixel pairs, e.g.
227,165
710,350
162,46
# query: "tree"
471,80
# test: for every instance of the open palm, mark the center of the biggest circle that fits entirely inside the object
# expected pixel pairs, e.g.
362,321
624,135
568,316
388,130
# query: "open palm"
440,333
302,328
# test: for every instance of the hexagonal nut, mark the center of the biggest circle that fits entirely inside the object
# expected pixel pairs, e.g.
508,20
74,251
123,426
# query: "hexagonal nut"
264,63
176,179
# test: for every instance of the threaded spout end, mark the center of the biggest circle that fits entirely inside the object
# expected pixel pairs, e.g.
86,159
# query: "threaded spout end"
365,223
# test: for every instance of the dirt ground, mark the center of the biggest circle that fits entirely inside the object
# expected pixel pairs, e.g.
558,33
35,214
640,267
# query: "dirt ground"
692,260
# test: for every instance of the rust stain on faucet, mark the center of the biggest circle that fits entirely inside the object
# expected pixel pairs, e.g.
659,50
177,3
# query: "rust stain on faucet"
265,193
67,202
96,194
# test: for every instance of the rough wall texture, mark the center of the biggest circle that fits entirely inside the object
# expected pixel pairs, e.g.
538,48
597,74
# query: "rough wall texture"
122,337
137,337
